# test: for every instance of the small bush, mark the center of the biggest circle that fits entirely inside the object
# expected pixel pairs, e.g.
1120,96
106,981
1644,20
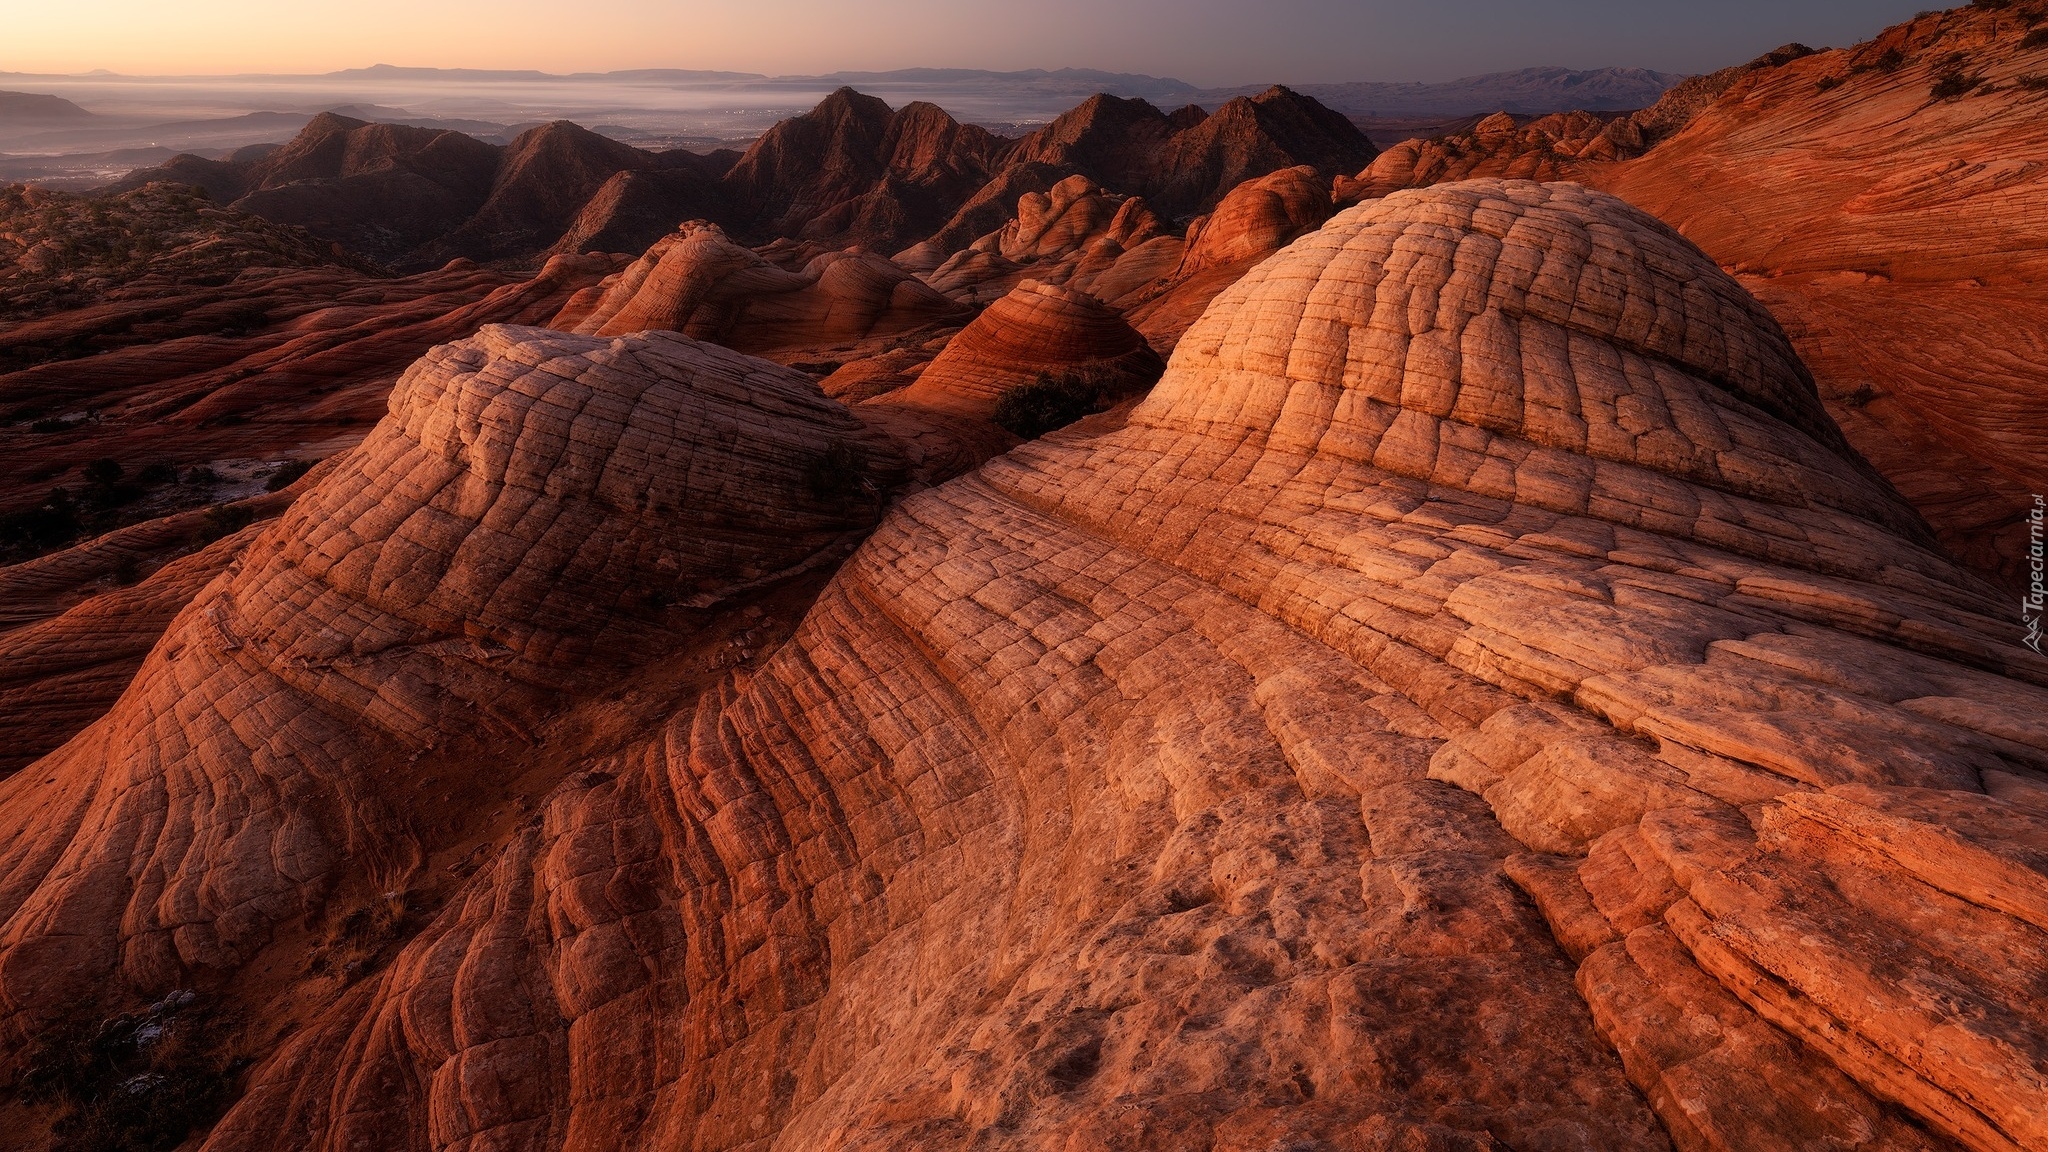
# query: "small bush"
153,475
2032,82
839,472
201,474
1031,410
1991,5
1950,85
137,1082
286,474
51,523
104,472
224,520
50,424
2038,38
1827,83
1890,60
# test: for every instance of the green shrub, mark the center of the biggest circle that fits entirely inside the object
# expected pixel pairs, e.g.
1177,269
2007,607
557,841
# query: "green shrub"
137,1082
840,472
224,520
1950,85
286,474
53,522
1031,410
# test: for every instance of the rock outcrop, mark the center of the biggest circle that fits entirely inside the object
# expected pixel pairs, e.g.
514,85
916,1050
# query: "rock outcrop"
415,198
191,378
1075,233
1185,167
1477,699
1901,236
531,509
1035,329
699,282
854,171
1258,218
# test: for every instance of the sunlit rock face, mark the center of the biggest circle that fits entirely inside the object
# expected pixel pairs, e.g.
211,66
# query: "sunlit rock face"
522,519
1477,700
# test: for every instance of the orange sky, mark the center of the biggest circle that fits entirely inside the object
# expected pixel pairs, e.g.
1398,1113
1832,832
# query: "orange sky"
1202,41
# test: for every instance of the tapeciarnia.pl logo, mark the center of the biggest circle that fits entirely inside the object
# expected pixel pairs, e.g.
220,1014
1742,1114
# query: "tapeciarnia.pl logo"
2037,594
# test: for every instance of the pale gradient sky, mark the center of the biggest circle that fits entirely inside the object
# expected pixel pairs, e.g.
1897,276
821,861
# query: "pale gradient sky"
1211,42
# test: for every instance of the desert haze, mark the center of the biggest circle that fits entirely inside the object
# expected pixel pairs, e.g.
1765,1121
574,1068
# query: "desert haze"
1052,609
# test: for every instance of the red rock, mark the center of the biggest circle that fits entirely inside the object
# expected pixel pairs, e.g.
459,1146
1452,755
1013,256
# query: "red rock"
702,284
1036,329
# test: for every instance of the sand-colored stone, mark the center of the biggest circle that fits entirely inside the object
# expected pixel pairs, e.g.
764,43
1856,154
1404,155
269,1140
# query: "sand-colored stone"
534,504
699,282
1036,329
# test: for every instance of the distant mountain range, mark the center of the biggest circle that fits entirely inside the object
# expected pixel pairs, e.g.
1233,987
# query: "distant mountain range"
1527,91
29,108
1532,91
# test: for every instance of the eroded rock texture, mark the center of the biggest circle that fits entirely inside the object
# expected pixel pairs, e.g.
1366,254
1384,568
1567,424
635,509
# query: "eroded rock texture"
1896,226
528,511
1478,700
699,282
1035,330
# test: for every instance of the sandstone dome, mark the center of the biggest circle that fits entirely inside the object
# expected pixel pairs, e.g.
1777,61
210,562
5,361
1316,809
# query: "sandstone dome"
1034,328
530,506
699,282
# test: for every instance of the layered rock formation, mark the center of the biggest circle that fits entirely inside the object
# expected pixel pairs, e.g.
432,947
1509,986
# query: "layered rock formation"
1900,237
699,282
850,172
527,513
272,363
854,171
1114,248
1075,233
414,198
1258,218
1479,699
1034,330
1554,146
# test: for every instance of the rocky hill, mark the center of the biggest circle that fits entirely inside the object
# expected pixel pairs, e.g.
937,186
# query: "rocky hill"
1879,200
850,172
31,108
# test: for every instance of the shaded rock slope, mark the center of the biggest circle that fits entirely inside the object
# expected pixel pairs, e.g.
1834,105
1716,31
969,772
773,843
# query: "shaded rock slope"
1479,699
1886,202
414,198
850,172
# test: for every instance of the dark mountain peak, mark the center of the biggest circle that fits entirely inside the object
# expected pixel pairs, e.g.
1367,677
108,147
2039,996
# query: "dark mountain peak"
848,106
36,108
566,140
1187,116
328,123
